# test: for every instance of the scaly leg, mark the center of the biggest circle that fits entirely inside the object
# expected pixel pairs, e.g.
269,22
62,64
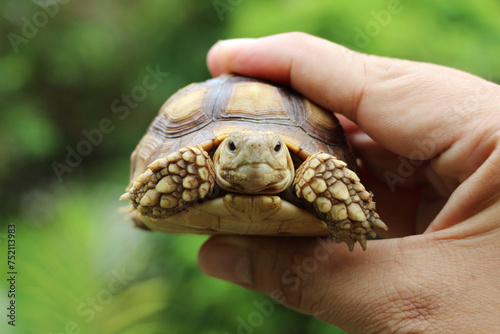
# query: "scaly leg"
172,184
338,197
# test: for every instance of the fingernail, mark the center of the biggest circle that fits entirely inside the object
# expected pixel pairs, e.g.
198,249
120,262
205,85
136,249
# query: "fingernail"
227,260
218,56
229,43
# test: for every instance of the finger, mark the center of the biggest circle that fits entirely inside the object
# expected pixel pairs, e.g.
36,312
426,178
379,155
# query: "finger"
406,194
287,271
239,56
422,105
321,278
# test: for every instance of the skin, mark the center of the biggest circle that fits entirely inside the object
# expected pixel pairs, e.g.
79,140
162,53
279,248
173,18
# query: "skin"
253,162
439,268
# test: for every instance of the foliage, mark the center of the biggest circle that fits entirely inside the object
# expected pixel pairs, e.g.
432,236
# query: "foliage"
66,68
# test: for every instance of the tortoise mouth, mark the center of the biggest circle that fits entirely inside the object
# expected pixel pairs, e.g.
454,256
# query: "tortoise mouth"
256,169
254,178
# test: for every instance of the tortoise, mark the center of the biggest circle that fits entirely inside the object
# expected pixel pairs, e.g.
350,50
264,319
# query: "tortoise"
238,155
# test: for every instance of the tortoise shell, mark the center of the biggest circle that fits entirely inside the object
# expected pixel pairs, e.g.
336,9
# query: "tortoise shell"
204,114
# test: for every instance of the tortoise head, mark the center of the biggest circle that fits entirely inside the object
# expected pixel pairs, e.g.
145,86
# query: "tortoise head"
253,162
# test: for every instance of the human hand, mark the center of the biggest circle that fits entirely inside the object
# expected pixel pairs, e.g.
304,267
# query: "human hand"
429,140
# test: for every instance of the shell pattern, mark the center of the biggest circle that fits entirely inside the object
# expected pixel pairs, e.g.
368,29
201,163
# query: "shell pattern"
205,113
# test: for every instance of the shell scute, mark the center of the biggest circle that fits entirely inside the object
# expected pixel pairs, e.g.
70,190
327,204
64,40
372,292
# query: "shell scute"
205,113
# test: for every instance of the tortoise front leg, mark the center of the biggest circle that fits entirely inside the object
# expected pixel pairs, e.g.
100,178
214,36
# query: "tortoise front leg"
172,184
338,197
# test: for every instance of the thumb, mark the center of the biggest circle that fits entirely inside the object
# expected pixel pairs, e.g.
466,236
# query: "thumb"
359,291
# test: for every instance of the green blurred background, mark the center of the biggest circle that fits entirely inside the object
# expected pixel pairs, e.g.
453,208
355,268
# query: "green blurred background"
64,67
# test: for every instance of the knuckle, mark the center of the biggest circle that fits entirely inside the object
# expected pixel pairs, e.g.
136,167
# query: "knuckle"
410,306
410,311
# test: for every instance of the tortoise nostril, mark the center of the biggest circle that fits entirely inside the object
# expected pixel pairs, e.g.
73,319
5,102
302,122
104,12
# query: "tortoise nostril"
255,144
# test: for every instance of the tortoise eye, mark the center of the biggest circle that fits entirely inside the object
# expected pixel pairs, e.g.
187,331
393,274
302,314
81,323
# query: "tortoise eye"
231,145
277,148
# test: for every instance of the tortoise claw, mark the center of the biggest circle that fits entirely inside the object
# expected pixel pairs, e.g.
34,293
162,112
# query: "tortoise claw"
126,196
362,242
380,224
